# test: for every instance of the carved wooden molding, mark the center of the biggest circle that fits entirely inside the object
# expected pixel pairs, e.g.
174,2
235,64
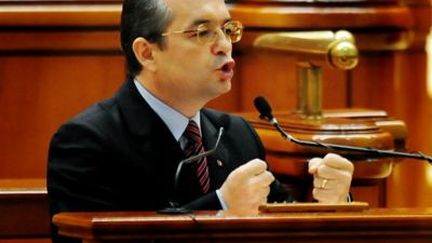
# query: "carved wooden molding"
60,15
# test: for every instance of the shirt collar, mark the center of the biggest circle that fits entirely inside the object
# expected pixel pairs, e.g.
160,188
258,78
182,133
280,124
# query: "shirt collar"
175,121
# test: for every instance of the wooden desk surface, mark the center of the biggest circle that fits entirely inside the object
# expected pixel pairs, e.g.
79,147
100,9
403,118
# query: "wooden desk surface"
373,225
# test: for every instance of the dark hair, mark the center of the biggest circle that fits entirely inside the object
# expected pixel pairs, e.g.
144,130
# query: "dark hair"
142,18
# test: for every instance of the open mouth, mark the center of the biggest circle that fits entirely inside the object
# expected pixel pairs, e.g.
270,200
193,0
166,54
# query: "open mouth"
226,71
228,66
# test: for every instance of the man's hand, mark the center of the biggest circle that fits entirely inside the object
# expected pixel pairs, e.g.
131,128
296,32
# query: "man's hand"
332,178
248,186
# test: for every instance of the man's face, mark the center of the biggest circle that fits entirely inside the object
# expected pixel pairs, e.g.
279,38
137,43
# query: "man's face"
187,69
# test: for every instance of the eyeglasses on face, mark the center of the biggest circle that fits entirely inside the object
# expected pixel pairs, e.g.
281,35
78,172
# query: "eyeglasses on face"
205,33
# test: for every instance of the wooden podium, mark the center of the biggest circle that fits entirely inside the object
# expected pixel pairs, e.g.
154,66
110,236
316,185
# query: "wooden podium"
372,225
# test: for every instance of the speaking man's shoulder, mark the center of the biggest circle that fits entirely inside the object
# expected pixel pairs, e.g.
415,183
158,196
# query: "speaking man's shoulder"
94,113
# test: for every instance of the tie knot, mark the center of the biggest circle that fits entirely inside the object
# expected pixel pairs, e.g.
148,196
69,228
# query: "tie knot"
192,132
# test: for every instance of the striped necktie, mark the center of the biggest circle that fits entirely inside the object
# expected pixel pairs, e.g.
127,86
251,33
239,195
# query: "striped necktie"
194,147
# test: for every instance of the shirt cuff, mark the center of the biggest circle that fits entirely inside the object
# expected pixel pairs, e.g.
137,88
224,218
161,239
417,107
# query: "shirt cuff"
221,200
350,197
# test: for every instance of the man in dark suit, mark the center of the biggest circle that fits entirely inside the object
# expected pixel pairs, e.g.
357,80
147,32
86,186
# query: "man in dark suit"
123,153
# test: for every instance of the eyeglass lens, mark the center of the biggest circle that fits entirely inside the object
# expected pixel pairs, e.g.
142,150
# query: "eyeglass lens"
232,30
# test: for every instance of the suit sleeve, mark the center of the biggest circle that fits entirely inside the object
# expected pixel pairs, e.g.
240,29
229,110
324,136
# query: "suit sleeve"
277,192
244,145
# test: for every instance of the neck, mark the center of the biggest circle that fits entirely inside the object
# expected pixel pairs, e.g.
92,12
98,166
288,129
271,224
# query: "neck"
188,106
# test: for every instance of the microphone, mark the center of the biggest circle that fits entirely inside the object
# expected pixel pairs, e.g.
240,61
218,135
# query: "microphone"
175,209
265,111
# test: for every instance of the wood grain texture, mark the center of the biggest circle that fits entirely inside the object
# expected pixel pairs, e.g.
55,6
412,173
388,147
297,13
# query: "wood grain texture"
374,225
24,209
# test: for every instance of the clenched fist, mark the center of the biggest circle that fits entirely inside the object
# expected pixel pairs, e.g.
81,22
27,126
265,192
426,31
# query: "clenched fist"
248,186
332,178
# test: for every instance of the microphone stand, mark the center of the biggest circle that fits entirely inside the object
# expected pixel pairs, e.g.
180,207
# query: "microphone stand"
174,208
265,111
377,152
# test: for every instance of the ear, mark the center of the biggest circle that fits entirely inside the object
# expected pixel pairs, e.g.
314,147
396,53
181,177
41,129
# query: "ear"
143,51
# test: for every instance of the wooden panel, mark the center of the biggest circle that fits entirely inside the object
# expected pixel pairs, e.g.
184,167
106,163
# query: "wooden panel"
309,16
374,225
55,40
72,14
37,94
55,60
24,209
275,76
396,82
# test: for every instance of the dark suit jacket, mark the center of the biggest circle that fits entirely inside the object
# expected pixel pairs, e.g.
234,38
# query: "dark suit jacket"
119,155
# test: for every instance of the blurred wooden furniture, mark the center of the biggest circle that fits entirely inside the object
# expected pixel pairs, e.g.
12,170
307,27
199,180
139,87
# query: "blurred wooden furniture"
388,34
374,225
56,58
24,209
313,51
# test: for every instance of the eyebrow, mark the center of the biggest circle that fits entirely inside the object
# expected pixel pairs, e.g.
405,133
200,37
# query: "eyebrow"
206,21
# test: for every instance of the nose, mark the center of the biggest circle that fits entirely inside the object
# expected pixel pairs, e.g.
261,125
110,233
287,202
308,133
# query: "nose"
222,44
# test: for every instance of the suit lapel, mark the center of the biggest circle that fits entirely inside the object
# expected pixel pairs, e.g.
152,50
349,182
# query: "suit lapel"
159,148
160,151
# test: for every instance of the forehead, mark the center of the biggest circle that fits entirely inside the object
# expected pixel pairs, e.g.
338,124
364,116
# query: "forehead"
186,12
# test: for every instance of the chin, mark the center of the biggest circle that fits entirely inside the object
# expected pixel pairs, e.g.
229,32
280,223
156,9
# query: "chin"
221,90
226,86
